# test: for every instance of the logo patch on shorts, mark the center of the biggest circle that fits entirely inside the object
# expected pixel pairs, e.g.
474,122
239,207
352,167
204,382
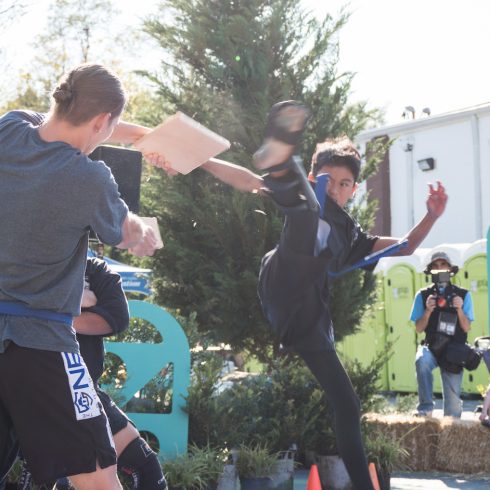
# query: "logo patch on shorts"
85,400
147,451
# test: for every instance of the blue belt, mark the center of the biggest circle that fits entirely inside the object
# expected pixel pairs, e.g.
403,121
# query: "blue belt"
18,309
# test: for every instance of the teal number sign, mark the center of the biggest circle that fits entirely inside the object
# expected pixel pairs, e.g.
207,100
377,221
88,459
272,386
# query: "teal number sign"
488,270
144,361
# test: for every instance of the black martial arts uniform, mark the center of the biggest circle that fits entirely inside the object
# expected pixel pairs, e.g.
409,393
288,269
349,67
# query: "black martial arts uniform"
294,292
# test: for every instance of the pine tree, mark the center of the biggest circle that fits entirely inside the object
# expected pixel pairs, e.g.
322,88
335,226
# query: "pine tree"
225,63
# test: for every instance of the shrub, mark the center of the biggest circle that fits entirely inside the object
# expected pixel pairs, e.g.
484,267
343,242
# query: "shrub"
274,409
255,462
203,404
199,469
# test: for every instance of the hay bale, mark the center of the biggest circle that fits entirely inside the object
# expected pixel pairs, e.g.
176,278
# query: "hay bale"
464,447
418,436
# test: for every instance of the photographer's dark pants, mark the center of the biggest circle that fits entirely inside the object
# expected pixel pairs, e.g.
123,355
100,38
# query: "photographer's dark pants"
291,286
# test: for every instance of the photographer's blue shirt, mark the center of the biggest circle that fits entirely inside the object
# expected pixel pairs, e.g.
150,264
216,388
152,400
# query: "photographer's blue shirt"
418,307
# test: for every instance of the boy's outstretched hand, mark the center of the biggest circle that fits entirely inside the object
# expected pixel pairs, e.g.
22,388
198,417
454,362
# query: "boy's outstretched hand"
437,199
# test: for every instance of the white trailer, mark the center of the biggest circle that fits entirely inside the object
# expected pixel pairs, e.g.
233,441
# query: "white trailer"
453,148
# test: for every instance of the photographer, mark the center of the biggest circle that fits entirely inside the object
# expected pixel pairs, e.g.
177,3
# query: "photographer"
444,312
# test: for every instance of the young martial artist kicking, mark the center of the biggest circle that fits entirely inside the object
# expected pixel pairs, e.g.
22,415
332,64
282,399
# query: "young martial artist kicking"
318,239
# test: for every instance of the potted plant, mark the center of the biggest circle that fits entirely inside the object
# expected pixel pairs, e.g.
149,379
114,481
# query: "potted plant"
322,450
256,466
386,453
283,476
199,469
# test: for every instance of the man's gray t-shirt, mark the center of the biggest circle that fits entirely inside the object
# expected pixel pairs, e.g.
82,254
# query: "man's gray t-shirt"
51,195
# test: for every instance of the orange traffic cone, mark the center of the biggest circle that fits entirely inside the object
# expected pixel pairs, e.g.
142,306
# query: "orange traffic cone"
374,476
314,479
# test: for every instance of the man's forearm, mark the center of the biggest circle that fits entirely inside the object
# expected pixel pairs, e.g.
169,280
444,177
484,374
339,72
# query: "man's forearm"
238,177
89,323
127,133
422,322
464,323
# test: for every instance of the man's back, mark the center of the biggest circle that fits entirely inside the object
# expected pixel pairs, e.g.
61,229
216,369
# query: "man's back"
51,195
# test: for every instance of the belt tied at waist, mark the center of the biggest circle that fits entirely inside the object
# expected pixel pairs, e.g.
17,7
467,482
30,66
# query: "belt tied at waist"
18,309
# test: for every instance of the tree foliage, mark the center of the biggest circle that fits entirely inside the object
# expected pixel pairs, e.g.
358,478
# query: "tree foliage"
75,32
226,63
9,9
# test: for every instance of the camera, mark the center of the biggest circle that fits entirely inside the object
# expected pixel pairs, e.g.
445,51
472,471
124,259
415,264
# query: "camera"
443,290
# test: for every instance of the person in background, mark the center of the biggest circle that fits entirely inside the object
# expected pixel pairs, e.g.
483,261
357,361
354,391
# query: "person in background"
444,312
105,313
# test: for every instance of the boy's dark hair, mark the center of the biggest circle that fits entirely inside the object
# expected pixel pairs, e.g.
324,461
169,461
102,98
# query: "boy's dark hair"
336,152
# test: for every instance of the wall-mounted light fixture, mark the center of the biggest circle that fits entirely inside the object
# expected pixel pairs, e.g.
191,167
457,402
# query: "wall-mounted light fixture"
426,164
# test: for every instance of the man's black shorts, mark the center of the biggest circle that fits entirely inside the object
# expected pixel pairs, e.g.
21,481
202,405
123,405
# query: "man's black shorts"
56,413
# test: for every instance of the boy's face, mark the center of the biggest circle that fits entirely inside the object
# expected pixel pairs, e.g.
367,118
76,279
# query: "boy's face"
341,186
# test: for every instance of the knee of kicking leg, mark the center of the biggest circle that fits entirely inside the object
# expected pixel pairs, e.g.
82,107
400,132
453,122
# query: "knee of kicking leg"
140,459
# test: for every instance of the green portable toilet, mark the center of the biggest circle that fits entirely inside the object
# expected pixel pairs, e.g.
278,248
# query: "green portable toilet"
399,291
370,340
474,277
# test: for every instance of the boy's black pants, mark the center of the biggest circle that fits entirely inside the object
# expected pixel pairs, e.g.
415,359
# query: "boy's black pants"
289,277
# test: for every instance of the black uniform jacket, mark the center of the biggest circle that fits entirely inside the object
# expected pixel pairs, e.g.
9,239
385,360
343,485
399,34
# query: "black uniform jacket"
294,289
111,305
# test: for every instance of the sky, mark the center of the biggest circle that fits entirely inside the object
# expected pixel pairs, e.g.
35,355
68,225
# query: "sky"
419,53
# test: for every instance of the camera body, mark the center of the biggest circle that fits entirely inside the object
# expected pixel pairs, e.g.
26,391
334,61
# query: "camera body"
443,289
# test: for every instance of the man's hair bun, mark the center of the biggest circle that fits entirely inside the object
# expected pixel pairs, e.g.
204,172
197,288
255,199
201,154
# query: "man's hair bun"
63,93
